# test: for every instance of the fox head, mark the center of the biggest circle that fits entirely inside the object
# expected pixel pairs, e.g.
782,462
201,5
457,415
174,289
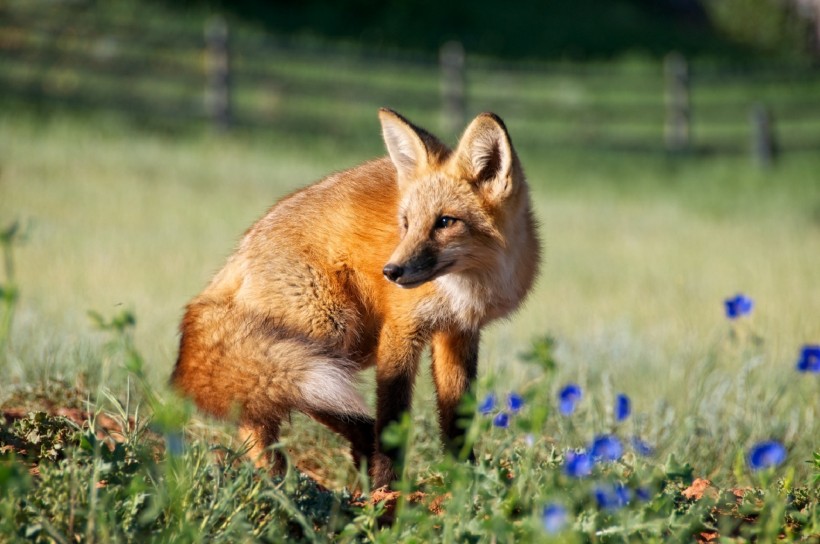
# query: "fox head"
456,208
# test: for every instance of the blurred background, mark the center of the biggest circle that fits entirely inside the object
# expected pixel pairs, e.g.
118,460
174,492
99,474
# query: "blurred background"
673,147
636,76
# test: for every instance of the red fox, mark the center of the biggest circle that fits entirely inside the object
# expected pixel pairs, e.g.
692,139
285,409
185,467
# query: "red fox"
366,267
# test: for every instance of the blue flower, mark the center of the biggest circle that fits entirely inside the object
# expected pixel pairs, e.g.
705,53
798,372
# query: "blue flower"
643,494
501,420
766,454
641,447
606,447
554,518
578,465
809,359
568,398
174,443
738,306
623,407
515,402
487,405
611,497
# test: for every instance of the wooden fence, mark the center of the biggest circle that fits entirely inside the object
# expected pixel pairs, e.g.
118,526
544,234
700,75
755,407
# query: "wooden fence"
168,75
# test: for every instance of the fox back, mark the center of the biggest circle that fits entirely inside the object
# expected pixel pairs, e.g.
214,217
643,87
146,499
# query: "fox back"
365,267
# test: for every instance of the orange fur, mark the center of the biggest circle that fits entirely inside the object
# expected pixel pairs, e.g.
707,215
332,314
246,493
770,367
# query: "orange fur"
304,301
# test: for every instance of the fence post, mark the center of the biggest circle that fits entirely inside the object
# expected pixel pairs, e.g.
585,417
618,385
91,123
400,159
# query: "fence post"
763,140
451,57
678,114
218,67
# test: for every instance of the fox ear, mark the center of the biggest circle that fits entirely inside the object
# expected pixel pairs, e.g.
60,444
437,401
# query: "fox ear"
405,144
485,154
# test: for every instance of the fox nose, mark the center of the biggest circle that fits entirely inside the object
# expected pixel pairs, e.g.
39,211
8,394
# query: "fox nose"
392,271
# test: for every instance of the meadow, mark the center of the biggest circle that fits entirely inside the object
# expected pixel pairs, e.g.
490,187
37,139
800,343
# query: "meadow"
641,250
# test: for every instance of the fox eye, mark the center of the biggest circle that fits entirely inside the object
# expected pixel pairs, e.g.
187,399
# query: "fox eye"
444,222
404,222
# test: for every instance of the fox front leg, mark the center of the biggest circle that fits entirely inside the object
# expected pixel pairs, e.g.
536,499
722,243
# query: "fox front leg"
398,356
455,365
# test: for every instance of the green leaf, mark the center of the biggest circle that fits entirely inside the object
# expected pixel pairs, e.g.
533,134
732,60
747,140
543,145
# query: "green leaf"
13,475
675,469
8,234
541,353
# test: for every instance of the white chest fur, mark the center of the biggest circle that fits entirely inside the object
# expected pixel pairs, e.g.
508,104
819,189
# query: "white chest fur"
466,297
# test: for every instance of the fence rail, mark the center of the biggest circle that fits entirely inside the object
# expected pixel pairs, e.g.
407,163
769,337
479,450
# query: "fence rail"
232,80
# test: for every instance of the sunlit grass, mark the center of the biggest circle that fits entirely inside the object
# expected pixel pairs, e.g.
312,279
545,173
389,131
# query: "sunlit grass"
640,253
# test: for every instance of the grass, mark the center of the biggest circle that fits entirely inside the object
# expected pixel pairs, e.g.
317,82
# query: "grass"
641,250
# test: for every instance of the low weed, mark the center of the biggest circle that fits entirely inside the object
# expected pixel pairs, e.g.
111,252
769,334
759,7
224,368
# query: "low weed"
552,466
